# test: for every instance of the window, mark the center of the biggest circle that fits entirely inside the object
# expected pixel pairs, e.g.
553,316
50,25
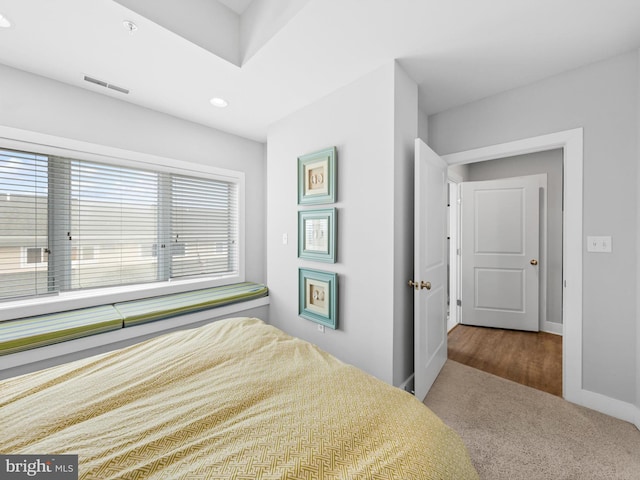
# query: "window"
203,226
69,224
23,224
34,256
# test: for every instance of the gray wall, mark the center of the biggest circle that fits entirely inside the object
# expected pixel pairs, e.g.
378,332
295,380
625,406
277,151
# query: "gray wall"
406,121
423,126
462,171
638,263
549,162
603,99
35,103
372,166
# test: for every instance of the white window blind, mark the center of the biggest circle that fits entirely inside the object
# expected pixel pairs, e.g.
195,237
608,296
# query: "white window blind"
69,224
23,224
204,234
114,226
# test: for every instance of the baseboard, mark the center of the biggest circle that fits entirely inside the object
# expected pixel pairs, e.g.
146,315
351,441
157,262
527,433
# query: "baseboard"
607,405
407,385
451,324
551,327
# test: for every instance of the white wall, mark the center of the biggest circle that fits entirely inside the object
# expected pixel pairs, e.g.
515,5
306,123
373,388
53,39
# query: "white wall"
549,163
603,99
35,103
359,120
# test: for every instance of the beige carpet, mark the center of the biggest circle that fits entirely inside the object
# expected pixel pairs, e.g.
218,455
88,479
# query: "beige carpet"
515,432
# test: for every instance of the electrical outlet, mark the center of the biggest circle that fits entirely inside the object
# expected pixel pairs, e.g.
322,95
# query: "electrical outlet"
599,244
321,328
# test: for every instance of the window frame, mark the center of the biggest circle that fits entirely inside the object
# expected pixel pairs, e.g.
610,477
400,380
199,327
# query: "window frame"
24,140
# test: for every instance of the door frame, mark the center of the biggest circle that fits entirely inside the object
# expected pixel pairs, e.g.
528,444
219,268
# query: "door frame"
454,180
571,142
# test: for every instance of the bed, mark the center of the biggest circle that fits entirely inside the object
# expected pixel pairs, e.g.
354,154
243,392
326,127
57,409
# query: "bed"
234,399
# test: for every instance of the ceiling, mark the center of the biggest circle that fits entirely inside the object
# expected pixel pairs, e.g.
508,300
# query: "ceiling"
238,6
293,52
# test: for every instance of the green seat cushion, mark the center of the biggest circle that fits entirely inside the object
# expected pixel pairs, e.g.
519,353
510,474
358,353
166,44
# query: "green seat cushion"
149,309
31,332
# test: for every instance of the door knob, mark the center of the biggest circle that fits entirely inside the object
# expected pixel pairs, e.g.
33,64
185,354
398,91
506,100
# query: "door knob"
534,262
414,284
426,285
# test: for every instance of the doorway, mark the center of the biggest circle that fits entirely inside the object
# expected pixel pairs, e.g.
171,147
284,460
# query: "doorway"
548,271
570,143
533,359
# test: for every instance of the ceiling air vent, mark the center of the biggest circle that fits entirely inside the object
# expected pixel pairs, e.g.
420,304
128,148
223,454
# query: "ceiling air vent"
105,84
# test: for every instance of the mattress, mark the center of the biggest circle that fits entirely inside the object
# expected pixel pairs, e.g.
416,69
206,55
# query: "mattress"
235,399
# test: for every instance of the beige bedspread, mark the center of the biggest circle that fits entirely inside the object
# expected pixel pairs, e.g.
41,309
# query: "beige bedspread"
236,399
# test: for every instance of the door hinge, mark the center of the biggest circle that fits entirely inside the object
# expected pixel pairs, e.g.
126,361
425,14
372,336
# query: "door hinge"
459,302
458,251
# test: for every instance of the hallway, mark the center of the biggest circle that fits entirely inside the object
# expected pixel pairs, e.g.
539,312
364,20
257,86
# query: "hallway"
529,358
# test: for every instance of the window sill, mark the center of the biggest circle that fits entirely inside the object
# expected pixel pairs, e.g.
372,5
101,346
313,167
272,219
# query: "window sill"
93,297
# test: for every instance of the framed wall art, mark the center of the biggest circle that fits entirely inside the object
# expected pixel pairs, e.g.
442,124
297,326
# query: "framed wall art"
317,234
317,177
318,297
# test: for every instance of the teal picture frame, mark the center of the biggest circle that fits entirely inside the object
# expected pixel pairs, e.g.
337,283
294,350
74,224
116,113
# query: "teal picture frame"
317,177
318,297
317,234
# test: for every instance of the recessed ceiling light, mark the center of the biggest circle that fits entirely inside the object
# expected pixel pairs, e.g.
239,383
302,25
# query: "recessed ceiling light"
4,22
219,102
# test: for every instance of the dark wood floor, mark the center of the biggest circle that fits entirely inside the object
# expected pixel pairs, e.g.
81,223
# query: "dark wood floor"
529,358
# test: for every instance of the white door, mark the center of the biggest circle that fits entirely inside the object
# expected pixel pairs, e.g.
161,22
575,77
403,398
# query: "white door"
430,267
500,253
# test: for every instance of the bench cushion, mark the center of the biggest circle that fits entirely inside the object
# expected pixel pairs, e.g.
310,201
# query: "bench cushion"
135,312
37,331
31,332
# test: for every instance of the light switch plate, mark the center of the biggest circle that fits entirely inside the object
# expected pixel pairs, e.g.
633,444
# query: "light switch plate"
599,244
